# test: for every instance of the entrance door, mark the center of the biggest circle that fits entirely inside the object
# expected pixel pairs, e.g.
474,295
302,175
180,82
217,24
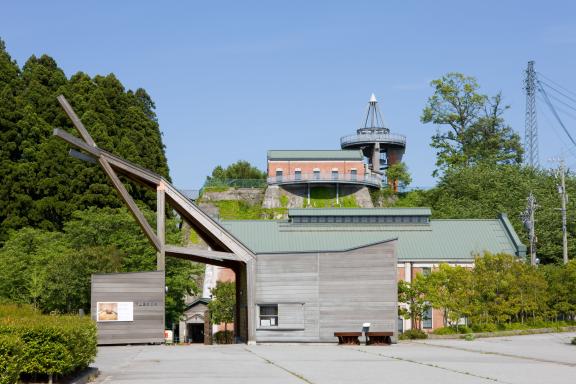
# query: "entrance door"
196,333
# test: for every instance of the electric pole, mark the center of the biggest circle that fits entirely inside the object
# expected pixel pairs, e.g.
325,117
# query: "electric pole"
564,199
529,224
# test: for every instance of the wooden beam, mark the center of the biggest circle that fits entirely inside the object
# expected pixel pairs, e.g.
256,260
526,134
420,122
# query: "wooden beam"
138,215
76,121
208,255
161,227
76,142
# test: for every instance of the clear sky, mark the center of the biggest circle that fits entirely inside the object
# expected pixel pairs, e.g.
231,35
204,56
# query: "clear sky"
232,79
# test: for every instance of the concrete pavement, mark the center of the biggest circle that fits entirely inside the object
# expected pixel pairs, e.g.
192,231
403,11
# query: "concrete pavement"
545,358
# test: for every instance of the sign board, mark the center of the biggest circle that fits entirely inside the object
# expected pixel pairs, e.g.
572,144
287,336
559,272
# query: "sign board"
115,311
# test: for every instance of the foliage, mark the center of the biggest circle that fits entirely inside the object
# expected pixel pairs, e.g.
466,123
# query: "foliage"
224,337
51,345
573,342
11,358
42,185
242,210
452,330
284,201
484,191
52,270
413,334
449,289
223,304
398,175
469,337
476,130
500,293
239,170
325,197
413,303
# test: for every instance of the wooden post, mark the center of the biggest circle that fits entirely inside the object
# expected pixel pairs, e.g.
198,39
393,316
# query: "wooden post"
161,226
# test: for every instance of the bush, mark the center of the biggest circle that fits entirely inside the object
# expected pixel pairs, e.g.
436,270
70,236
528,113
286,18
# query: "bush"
413,334
452,330
574,341
469,337
10,358
51,345
484,328
223,337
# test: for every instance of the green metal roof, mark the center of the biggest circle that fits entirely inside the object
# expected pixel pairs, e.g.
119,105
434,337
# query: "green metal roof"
315,155
441,240
359,212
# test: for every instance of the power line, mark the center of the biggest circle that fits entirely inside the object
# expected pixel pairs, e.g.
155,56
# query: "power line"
557,91
557,84
549,103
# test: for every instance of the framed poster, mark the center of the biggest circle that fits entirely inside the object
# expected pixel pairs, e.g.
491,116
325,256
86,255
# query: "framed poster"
115,311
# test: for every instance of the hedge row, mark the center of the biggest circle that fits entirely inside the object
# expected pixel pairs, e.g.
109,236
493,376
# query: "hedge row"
35,345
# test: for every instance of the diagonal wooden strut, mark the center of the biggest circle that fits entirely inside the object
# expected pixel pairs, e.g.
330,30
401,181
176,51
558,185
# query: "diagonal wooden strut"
213,233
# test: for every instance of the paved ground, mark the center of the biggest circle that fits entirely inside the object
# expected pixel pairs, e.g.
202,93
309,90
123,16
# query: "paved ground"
545,358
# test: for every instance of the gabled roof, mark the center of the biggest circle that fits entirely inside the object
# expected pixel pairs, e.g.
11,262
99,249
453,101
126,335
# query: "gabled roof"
441,240
201,300
319,155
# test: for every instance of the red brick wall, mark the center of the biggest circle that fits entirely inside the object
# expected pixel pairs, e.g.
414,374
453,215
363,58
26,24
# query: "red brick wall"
307,167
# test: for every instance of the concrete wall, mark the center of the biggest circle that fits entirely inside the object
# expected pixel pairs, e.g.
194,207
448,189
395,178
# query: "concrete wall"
322,293
146,291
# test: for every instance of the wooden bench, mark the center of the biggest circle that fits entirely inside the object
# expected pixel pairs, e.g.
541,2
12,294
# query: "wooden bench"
378,338
348,338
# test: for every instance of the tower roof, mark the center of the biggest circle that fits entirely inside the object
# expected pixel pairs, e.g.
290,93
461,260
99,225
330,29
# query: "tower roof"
373,120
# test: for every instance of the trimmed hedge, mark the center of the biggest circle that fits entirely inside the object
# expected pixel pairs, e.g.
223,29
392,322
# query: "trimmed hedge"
10,358
51,344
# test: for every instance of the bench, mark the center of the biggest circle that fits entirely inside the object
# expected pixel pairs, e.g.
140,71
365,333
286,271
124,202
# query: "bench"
378,338
348,338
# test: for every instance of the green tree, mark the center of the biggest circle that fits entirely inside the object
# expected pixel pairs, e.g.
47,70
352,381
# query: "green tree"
413,304
223,305
449,290
42,184
398,175
239,170
476,130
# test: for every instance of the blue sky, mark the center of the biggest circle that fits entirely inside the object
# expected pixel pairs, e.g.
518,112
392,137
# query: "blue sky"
232,79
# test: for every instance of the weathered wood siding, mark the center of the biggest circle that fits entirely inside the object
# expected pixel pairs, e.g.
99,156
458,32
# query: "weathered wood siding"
146,291
322,293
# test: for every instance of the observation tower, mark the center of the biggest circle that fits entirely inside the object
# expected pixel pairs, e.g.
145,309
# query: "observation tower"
381,147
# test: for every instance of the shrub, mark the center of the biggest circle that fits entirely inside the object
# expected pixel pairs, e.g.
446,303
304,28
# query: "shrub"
51,345
469,337
223,337
574,341
484,327
10,358
413,334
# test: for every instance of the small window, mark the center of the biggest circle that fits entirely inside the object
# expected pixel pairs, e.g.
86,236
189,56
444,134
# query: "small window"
427,319
279,174
316,174
298,174
269,315
353,174
426,271
334,174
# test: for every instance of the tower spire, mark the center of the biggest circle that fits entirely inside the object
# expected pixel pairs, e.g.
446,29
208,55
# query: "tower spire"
373,121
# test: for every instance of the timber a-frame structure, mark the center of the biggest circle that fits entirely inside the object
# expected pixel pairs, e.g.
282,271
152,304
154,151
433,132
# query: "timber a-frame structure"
225,250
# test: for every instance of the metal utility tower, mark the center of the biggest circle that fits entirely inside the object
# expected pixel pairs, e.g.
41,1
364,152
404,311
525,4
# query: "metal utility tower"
531,128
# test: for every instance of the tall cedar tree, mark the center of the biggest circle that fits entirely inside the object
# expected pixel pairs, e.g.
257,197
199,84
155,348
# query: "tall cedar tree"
42,185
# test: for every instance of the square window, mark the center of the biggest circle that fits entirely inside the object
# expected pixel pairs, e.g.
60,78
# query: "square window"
269,315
